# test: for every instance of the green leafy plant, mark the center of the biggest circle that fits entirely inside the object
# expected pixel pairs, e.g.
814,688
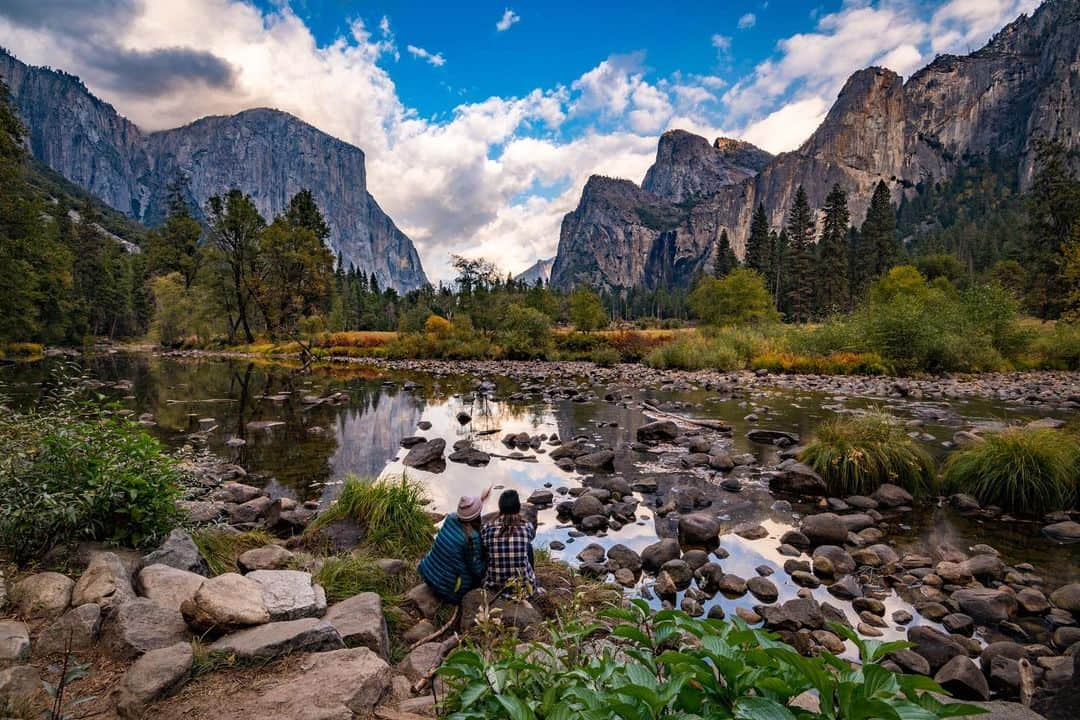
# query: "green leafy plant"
668,665
71,471
1021,470
391,513
857,454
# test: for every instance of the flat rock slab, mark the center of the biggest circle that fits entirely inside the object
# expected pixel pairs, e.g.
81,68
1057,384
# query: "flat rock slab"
141,625
168,586
81,626
360,622
155,675
290,594
281,638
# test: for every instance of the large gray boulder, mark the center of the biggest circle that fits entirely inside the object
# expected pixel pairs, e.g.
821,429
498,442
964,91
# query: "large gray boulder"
155,675
654,556
986,605
14,643
20,682
425,453
699,529
105,582
360,622
824,529
224,603
46,594
141,625
290,594
275,639
797,479
81,625
178,551
658,431
168,586
963,679
934,645
1067,597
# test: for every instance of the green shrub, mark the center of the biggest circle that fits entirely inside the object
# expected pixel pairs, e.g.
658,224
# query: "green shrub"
695,351
343,576
605,357
391,513
857,454
222,547
738,298
69,471
668,665
1058,347
526,333
1020,470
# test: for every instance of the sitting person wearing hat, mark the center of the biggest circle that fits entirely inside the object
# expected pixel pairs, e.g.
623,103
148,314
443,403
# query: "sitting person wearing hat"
455,563
508,549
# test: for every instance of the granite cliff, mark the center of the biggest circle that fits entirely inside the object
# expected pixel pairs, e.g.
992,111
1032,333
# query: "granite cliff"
1022,86
268,154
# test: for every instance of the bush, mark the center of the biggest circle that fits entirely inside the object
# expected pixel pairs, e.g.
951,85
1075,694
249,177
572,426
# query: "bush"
668,665
586,311
22,350
605,357
69,471
841,363
857,454
1020,470
391,513
738,298
1059,347
442,339
695,351
526,333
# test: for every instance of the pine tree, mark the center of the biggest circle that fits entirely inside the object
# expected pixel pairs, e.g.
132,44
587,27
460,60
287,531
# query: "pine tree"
758,255
832,266
725,260
800,282
780,255
303,212
878,233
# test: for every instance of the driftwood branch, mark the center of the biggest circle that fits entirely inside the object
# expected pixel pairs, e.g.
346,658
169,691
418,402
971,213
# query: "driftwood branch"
718,425
438,632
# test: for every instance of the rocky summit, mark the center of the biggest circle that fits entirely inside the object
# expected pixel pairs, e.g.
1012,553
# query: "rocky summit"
269,154
1017,89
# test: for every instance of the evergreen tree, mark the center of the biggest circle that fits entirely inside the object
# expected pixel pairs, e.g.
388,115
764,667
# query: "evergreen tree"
235,226
174,247
779,253
832,267
725,260
1053,208
800,281
758,248
303,212
878,234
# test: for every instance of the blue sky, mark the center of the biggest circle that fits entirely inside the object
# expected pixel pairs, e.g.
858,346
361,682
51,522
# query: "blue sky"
479,140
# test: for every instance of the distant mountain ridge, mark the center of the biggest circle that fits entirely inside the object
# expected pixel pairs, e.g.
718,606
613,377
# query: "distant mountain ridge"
539,270
267,153
1023,85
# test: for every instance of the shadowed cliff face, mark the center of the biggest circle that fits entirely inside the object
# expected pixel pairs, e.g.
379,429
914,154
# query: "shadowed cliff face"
268,154
1022,86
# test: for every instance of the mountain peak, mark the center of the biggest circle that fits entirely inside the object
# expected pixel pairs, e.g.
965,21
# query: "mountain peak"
688,166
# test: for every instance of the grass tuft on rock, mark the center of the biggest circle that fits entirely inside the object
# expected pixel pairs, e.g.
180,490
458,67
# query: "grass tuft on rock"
1028,471
391,512
857,454
221,548
343,576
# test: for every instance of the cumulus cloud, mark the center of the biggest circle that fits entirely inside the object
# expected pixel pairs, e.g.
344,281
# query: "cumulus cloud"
496,176
509,17
430,58
748,20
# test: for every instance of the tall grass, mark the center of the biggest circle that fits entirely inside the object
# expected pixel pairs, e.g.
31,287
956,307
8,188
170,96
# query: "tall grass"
221,548
1020,470
391,513
343,576
857,454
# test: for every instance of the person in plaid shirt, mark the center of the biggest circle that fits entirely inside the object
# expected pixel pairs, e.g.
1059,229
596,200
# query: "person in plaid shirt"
508,550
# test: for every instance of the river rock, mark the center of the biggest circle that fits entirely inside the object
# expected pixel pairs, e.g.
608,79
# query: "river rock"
1067,597
889,496
798,479
80,625
910,661
763,589
290,594
155,675
773,437
470,456
141,625
700,529
621,557
178,551
795,614
655,555
839,560
658,431
679,571
1067,532
225,603
423,598
236,492
586,506
986,605
824,529
962,678
422,660
14,643
360,622
1032,601
168,586
20,682
268,557
425,453
105,582
46,594
934,645
276,639
599,460
202,511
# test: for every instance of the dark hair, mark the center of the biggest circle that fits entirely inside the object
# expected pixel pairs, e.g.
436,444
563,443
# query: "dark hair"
509,511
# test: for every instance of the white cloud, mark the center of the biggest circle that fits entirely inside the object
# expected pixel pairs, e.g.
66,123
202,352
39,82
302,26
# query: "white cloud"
748,20
960,26
722,43
430,58
509,17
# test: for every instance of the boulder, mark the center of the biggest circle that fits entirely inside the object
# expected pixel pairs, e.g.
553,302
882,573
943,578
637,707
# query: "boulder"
360,622
105,582
1067,532
425,453
202,511
763,589
178,551
586,506
276,639
679,571
599,460
795,614
658,431
139,626
155,675
290,594
236,492
986,605
422,660
1067,597
798,479
423,598
824,529
773,437
910,661
699,529
469,456
168,586
82,625
889,496
962,678
621,557
226,602
14,643
46,594
839,560
655,555
934,645
20,682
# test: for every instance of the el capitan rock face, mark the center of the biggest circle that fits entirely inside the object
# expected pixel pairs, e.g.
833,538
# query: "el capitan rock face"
268,154
1020,87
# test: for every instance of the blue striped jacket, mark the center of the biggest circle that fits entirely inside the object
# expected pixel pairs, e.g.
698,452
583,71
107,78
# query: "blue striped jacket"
455,564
